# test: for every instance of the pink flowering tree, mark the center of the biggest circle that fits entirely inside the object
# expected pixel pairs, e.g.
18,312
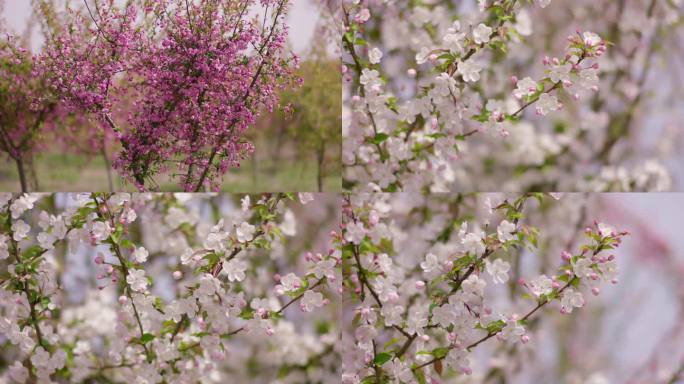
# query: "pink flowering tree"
508,95
431,280
169,288
177,82
25,108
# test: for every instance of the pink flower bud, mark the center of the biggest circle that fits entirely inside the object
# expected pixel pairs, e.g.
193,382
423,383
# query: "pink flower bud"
595,291
420,284
177,275
99,259
524,339
411,72
123,299
566,256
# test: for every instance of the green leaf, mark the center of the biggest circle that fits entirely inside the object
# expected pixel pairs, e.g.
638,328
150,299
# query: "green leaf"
440,352
495,326
158,305
390,343
483,117
382,358
379,138
125,243
461,263
31,252
146,338
419,376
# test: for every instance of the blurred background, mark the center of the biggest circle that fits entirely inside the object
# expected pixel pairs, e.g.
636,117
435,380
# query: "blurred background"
300,152
636,332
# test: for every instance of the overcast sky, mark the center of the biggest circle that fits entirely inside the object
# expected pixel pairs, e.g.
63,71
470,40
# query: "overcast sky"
302,20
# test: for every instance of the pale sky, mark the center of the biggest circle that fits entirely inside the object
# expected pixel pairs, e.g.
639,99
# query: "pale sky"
302,20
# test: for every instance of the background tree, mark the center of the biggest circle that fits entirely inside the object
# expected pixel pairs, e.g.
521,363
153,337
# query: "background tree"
316,107
24,108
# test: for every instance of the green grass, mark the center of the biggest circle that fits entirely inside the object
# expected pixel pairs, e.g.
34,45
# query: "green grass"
70,173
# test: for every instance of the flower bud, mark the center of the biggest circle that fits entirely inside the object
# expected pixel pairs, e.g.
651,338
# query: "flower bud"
566,256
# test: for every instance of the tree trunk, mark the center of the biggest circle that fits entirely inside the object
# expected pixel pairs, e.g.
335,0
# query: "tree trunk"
319,166
108,167
22,174
254,170
32,175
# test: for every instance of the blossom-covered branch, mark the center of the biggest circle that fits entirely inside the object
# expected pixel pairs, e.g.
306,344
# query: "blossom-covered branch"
423,310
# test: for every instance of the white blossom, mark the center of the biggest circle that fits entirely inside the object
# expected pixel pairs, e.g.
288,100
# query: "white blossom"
234,269
137,280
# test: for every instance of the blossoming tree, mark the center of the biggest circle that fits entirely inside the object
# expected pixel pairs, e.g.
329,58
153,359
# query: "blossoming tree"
177,81
25,107
504,95
426,277
173,289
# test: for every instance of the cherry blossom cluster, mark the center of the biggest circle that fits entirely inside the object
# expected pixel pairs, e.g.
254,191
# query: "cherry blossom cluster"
175,298
439,98
177,82
419,275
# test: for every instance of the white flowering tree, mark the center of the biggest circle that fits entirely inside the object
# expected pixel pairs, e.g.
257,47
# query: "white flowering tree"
163,288
431,281
506,95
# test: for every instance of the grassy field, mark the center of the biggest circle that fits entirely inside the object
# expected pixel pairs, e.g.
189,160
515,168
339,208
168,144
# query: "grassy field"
69,173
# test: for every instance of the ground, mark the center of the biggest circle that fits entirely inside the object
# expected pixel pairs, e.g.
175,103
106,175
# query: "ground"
69,173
